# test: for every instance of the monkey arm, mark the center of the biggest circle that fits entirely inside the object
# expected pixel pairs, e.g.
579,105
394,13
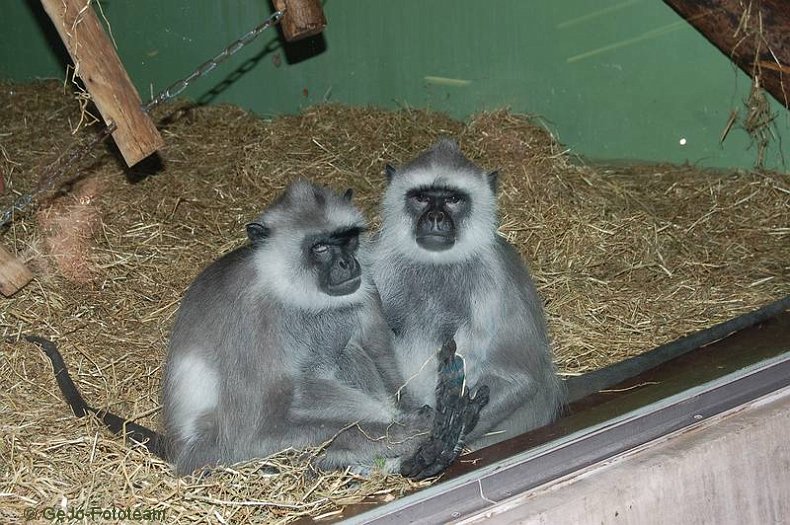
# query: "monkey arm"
363,430
507,348
403,435
328,399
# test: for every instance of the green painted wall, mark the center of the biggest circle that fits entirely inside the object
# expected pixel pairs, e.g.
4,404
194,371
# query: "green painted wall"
615,79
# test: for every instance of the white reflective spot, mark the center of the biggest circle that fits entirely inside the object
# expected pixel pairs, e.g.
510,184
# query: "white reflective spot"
683,142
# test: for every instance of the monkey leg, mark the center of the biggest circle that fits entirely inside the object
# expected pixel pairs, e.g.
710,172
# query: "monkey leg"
447,439
520,404
453,402
367,447
457,414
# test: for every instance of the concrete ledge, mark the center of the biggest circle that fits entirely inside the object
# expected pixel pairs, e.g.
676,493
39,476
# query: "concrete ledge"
730,468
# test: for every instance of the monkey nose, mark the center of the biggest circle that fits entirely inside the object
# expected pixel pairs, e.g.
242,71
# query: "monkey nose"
436,217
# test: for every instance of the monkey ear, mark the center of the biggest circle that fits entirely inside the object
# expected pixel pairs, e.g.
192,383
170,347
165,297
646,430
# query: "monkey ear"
449,143
492,179
390,171
257,232
348,194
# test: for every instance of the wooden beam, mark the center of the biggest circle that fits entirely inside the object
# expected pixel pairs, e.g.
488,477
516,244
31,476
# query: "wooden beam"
303,18
13,274
754,34
103,74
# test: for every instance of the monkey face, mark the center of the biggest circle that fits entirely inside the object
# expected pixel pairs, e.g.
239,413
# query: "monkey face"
332,257
439,208
437,212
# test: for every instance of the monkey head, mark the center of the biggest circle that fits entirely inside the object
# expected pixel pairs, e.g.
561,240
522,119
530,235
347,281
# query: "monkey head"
310,248
440,207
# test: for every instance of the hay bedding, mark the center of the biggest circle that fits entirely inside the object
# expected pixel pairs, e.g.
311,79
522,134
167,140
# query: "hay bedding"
626,259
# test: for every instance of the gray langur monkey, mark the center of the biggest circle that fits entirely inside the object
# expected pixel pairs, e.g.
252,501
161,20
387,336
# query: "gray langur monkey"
282,343
444,273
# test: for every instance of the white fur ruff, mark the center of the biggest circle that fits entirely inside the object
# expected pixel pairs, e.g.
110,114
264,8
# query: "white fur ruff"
293,284
475,234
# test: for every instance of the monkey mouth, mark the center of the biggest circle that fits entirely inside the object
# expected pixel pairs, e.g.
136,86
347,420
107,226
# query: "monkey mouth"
346,287
436,242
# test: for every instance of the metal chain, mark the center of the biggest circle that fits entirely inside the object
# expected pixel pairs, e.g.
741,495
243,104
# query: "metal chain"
54,171
208,66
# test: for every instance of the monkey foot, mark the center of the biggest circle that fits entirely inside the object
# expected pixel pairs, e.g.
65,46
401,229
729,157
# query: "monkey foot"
456,416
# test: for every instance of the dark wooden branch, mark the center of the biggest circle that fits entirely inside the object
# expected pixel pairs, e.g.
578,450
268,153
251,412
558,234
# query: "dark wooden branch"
754,34
13,274
303,18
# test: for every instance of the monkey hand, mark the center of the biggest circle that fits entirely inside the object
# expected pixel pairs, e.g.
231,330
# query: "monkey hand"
474,405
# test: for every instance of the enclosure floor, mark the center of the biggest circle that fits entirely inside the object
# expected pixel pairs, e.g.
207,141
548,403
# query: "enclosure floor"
625,259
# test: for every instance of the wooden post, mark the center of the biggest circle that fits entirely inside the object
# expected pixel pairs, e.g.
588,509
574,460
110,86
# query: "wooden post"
101,70
767,23
13,274
303,18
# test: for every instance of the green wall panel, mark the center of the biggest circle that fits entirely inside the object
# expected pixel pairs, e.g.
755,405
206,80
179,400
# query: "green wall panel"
614,79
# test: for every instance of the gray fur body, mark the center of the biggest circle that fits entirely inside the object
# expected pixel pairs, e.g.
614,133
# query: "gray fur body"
257,365
478,291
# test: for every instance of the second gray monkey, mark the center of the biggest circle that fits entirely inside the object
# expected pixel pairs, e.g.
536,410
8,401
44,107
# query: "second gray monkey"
443,272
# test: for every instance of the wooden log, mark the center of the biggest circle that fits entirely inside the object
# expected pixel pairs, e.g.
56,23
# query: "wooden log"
103,74
303,18
13,274
755,35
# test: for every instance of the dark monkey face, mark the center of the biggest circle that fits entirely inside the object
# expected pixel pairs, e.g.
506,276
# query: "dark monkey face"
437,213
332,257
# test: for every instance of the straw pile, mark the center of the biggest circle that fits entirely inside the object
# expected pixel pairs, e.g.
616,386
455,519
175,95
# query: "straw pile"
626,259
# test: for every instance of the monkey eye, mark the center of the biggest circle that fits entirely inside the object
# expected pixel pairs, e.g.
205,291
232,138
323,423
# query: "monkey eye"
320,248
454,199
422,198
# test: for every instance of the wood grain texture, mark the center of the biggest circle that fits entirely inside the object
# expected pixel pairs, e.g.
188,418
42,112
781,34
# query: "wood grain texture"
103,74
13,274
754,35
303,18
